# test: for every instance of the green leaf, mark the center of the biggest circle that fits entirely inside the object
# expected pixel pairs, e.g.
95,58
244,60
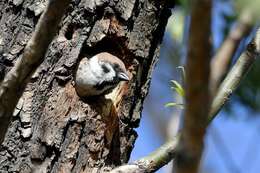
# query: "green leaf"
178,88
172,104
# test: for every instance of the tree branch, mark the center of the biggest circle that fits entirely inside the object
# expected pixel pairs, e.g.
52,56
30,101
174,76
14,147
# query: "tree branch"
167,151
221,61
235,75
152,162
15,81
197,95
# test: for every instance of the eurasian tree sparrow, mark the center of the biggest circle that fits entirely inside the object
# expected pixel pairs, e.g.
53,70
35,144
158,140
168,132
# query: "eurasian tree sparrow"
99,75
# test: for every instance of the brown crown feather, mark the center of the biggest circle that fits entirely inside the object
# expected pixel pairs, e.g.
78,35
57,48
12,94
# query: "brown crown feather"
105,56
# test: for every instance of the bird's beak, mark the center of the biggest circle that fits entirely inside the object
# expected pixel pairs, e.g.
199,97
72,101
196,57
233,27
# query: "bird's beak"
123,77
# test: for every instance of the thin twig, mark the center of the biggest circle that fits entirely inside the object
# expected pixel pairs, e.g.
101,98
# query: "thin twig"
152,162
221,61
15,81
234,77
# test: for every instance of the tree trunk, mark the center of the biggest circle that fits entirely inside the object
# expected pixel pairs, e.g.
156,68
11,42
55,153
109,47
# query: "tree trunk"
53,129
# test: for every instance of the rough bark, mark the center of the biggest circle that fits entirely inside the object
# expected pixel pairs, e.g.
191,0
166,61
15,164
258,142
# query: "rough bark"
53,130
15,81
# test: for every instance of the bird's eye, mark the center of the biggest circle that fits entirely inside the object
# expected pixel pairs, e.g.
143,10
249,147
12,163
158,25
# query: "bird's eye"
116,66
105,68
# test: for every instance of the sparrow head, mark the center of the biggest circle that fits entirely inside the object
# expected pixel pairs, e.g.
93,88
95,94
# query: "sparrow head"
112,66
113,71
103,72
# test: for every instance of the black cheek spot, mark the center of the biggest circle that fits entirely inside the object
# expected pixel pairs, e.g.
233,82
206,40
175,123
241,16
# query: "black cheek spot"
100,86
105,69
107,84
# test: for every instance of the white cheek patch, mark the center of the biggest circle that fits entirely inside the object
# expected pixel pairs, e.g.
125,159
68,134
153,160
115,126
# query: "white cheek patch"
99,74
95,66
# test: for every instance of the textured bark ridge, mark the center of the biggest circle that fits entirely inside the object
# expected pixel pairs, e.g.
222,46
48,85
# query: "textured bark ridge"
53,130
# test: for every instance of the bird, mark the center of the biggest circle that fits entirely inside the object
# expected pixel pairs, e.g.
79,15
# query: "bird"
99,75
